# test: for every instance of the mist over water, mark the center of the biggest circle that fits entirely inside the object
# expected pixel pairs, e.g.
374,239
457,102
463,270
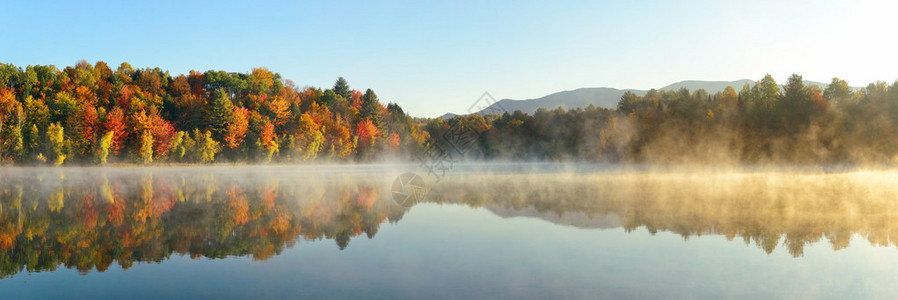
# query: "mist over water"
93,220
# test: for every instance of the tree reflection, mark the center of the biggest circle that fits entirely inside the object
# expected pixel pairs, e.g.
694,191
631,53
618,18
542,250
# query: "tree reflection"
90,219
767,209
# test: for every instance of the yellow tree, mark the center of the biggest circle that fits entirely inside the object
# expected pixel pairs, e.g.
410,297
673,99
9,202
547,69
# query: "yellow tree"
56,137
146,147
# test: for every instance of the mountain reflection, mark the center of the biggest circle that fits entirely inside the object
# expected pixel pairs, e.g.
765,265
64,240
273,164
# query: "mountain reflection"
91,218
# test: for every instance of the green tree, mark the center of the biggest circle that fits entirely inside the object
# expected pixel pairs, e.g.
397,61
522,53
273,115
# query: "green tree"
341,87
29,81
767,91
8,74
32,140
794,107
370,107
222,114
794,89
36,113
746,96
62,106
628,102
837,91
328,99
13,143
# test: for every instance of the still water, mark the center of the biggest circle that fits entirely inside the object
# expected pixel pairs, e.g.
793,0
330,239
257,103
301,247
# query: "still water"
533,231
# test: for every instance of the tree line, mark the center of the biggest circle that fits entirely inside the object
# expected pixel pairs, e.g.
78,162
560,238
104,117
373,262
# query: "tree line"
761,123
90,114
87,114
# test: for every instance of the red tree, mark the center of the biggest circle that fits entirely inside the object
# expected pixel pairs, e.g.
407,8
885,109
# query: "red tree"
115,122
90,123
367,133
162,132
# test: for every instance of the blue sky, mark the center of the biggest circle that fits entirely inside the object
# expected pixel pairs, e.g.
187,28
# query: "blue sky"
437,57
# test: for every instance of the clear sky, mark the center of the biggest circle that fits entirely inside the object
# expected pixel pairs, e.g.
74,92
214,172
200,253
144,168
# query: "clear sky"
433,57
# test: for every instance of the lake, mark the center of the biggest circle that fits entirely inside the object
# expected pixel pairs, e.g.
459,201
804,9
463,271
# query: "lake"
497,231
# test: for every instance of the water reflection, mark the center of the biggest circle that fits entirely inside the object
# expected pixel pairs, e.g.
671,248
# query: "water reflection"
88,219
767,209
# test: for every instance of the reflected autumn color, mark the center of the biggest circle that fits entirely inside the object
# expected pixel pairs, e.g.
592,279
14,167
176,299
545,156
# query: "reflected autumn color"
88,219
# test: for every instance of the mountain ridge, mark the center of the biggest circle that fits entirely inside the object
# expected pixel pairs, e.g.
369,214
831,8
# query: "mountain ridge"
605,97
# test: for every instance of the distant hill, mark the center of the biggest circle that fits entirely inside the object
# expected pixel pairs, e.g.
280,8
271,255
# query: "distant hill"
579,98
718,86
449,116
709,86
608,97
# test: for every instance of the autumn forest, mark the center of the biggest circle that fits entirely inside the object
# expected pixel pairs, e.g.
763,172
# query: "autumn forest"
91,114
